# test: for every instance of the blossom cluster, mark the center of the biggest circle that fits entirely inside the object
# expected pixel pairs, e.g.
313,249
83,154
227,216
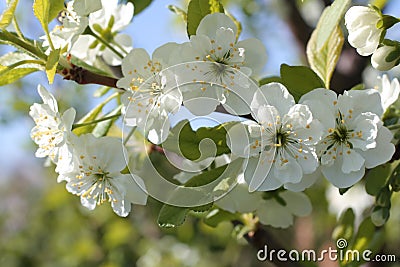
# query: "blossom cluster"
91,29
90,166
286,144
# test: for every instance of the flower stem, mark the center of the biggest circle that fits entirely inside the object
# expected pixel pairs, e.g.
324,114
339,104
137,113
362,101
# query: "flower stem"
131,132
104,42
96,121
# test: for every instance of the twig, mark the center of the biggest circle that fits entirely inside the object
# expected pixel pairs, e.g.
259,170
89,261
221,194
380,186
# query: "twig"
84,76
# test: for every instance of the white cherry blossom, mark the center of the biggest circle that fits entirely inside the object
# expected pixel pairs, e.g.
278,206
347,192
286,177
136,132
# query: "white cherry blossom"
74,22
96,175
107,24
151,97
281,145
389,90
361,22
230,63
52,129
354,135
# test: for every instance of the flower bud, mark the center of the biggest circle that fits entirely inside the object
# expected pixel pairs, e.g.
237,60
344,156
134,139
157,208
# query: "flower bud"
361,22
385,58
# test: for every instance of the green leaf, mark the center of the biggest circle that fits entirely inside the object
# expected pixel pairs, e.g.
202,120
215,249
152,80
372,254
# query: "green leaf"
330,18
41,9
56,6
323,61
364,236
206,177
28,46
12,75
186,142
91,116
51,65
345,226
101,91
171,216
8,14
197,10
140,5
377,177
103,127
216,216
272,79
300,80
380,215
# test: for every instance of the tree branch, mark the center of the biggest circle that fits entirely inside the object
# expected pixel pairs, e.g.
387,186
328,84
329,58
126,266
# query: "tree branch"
84,76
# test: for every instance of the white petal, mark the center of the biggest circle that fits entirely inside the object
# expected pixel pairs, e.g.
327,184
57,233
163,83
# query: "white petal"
165,54
383,151
135,189
339,179
306,181
287,169
239,200
276,95
239,140
212,22
255,54
352,161
48,98
258,173
272,213
322,103
298,203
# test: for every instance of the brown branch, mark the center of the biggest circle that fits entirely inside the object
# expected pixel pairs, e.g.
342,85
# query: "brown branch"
84,76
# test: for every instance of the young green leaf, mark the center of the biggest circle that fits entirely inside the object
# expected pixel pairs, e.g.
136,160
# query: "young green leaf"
197,10
300,80
377,177
345,226
8,75
41,9
140,5
51,65
8,14
216,216
171,216
184,141
330,18
323,61
56,6
103,127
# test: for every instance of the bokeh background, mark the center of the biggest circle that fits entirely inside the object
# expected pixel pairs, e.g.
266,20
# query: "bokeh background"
43,225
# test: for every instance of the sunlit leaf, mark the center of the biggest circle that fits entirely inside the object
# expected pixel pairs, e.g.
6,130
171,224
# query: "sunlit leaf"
14,74
323,61
103,127
330,18
51,65
8,14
